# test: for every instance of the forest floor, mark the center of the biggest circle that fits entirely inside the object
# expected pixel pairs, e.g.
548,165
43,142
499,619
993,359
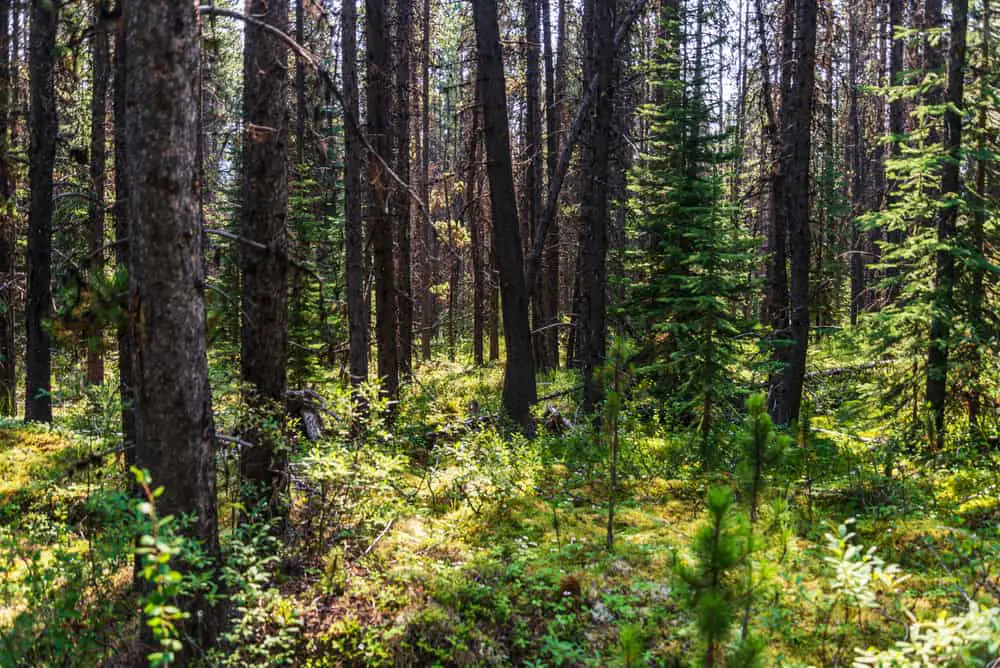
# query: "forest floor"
439,542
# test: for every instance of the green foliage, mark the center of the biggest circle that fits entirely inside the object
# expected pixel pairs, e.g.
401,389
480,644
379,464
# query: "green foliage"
687,282
720,551
266,627
762,449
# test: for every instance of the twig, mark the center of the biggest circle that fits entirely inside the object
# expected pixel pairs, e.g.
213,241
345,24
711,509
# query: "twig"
378,538
558,394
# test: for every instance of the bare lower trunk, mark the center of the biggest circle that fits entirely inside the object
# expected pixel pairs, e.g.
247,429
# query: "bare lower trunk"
44,129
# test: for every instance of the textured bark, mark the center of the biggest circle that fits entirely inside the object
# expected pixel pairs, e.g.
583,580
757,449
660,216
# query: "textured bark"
519,374
547,289
380,223
123,243
897,126
951,194
98,166
300,85
44,128
473,209
401,199
264,326
174,436
856,162
358,313
8,225
786,388
592,327
533,148
977,296
427,306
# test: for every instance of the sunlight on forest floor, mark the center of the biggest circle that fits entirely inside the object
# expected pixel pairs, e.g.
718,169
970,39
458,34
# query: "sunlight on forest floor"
436,541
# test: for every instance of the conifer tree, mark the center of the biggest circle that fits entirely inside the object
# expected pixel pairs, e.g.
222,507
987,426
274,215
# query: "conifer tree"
696,263
720,552
762,447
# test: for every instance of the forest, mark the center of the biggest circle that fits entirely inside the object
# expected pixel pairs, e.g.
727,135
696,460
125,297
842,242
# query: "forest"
581,333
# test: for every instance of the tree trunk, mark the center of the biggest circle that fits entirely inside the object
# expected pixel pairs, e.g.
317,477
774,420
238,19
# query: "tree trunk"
533,147
300,85
555,89
786,388
897,126
44,129
977,296
380,223
951,194
123,243
401,200
358,313
174,437
427,308
519,375
264,349
473,208
857,164
98,148
591,330
8,223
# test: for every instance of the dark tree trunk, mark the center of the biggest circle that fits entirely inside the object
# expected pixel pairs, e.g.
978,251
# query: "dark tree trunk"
493,320
122,245
8,222
977,296
519,375
857,164
264,327
427,314
473,208
380,223
98,165
401,200
897,126
175,434
591,329
533,147
300,85
44,129
786,388
951,193
547,288
775,307
358,313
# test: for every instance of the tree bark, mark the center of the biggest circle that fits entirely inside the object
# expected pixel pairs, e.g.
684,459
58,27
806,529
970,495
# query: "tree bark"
533,147
8,222
951,195
427,306
264,342
123,243
785,396
977,296
856,163
44,129
380,223
98,166
358,313
592,326
555,88
519,374
473,208
174,437
401,198
300,85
